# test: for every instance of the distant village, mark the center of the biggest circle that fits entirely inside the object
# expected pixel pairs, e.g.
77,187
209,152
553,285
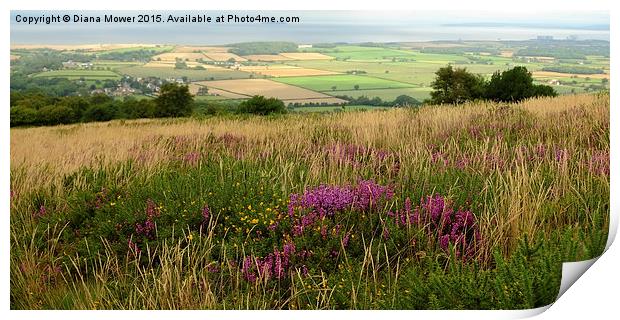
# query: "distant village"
127,85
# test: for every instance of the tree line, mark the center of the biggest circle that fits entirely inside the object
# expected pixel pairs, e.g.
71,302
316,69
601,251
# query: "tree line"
35,108
457,85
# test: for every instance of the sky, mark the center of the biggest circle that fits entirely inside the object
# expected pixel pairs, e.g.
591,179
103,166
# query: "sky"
320,26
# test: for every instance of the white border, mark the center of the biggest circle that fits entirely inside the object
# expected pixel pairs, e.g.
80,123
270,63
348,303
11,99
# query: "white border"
593,295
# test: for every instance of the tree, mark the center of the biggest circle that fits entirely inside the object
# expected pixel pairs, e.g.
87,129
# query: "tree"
174,100
57,114
356,87
456,85
515,85
23,116
100,112
542,90
405,101
262,106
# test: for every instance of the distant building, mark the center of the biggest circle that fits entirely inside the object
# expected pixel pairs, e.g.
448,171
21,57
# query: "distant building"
304,46
70,64
544,38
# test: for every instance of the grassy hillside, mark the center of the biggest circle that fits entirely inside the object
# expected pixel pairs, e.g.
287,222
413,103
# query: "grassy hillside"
473,206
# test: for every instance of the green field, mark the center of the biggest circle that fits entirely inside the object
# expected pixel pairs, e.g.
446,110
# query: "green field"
113,65
193,75
342,82
79,74
388,94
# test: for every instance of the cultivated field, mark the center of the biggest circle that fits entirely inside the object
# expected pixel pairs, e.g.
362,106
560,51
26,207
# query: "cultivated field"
174,56
343,82
266,57
172,64
443,207
223,56
548,74
191,74
267,88
79,74
285,71
306,56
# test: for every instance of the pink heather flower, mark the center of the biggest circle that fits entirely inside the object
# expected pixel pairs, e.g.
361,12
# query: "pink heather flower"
293,199
247,269
151,209
273,226
213,268
133,248
408,206
298,230
599,163
346,238
192,158
206,212
444,241
288,249
386,233
42,211
304,270
324,232
561,155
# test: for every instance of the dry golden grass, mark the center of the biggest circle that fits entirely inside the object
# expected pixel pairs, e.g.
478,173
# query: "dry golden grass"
14,57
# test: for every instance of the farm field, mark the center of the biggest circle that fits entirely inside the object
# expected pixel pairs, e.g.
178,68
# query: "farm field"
266,57
383,70
473,206
113,64
285,71
250,87
79,74
174,56
305,56
191,74
387,94
172,64
409,72
342,82
548,74
223,56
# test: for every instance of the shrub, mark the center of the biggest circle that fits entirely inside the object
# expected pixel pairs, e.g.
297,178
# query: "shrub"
262,106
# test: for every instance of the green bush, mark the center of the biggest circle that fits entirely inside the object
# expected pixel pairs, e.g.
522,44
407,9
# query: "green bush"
262,106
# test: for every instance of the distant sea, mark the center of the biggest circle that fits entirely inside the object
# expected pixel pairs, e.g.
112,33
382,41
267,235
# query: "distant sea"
315,27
